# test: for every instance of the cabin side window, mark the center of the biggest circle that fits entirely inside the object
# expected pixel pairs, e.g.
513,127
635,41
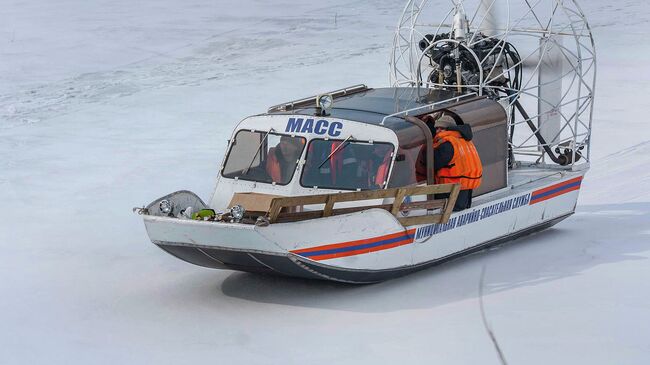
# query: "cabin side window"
263,157
404,169
346,165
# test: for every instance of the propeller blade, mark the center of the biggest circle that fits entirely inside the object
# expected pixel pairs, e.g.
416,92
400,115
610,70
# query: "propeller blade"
486,17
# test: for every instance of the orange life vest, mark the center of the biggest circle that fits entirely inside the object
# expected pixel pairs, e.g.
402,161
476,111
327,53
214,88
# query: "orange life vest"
273,167
382,171
336,161
465,166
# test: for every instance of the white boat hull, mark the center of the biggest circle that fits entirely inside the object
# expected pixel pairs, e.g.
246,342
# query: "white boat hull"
371,245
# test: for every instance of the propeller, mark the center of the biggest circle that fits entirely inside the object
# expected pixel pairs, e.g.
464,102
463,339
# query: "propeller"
488,21
486,16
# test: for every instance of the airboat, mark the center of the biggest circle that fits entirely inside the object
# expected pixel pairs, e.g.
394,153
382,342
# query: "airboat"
325,187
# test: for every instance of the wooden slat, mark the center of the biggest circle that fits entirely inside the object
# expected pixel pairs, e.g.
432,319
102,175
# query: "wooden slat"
429,189
329,205
365,195
312,214
292,201
300,216
274,211
359,209
422,219
399,199
428,204
451,201
330,200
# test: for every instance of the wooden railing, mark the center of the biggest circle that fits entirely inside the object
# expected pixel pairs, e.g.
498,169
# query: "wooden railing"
281,211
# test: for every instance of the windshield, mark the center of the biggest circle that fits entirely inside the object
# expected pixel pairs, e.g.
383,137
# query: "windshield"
263,156
347,165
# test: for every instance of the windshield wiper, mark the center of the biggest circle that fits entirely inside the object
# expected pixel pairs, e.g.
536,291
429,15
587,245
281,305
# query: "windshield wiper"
258,151
339,147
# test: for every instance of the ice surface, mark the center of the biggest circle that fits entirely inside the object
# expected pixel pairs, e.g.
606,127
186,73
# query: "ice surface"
105,105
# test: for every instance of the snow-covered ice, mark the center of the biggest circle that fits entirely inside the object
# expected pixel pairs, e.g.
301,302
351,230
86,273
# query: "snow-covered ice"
106,105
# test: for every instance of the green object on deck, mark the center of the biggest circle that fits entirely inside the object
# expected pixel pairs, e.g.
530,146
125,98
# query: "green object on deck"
204,213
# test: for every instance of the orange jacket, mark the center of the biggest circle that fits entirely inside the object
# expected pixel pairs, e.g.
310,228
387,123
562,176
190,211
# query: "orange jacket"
465,166
382,171
337,161
273,167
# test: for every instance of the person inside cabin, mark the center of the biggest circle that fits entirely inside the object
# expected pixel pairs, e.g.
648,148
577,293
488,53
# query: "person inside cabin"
342,163
329,164
377,165
456,159
318,171
282,159
347,165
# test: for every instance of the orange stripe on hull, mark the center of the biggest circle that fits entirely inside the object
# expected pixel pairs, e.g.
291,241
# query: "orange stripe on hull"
348,248
351,243
552,187
547,197
403,242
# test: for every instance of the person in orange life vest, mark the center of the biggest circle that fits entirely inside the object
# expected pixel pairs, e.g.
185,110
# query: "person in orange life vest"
282,159
328,164
455,159
378,165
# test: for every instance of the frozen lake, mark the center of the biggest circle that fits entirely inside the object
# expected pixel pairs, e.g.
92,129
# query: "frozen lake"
107,105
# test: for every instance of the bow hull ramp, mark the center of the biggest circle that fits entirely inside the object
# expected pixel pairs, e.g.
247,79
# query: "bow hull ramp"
371,245
271,249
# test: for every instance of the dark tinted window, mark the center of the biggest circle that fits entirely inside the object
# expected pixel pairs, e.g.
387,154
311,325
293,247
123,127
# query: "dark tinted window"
347,165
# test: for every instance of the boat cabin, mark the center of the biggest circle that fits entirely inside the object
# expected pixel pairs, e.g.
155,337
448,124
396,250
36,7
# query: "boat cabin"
369,139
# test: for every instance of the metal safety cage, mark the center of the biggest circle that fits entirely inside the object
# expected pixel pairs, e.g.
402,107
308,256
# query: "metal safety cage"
537,58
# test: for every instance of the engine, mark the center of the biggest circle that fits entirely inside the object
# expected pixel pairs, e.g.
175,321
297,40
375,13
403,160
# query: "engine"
453,64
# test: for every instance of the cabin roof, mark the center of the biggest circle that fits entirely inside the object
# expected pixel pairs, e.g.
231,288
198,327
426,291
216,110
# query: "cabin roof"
372,105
